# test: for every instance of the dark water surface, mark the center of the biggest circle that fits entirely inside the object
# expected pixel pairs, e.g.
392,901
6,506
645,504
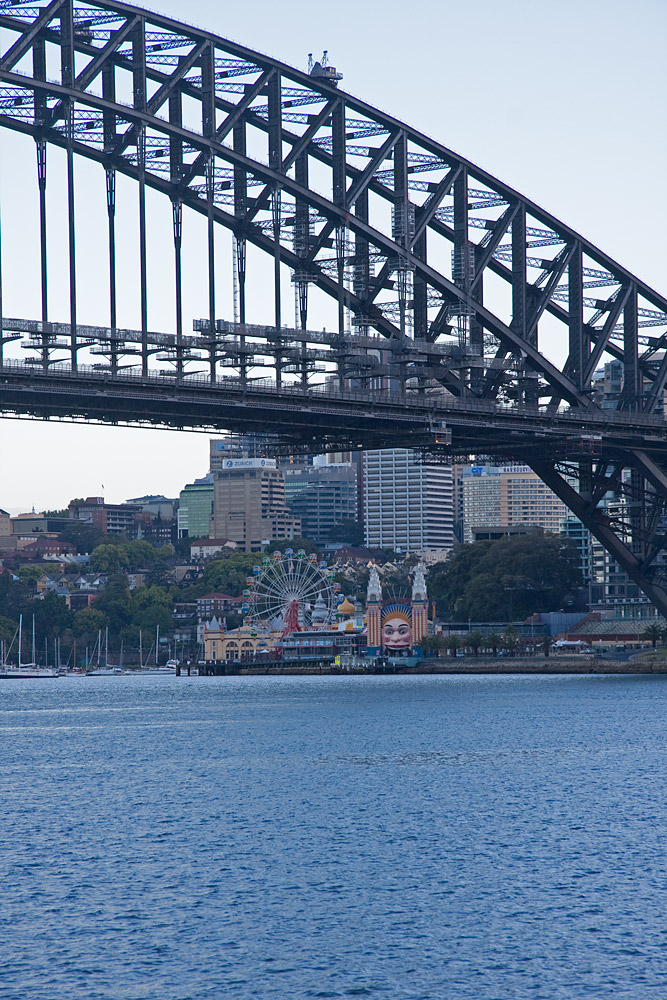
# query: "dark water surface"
401,837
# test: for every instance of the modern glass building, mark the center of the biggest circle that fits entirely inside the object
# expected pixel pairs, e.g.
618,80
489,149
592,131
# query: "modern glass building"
196,509
322,496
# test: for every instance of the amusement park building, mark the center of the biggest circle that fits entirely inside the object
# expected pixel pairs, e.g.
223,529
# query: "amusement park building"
237,644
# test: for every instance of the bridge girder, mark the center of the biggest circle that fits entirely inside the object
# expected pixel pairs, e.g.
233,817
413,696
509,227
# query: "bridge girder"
244,161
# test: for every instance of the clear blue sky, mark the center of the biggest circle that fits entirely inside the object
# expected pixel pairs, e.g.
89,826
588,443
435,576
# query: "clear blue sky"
562,101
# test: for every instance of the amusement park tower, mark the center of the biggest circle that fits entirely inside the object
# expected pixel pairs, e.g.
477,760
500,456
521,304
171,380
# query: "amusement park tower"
412,616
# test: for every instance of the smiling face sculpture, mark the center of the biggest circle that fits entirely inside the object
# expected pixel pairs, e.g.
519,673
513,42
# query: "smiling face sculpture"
397,627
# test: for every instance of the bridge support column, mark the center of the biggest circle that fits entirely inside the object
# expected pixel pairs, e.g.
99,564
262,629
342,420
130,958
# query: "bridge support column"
43,247
143,269
71,238
177,213
111,218
2,338
210,236
628,554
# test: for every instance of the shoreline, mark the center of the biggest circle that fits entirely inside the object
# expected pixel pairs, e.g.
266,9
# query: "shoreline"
478,666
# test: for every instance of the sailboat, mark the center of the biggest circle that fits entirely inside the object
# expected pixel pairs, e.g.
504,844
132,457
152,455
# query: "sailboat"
106,670
23,670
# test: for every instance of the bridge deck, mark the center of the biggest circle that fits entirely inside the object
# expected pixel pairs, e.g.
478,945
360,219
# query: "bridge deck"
325,413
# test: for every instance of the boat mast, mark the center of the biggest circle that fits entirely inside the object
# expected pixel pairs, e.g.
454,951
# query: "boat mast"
20,635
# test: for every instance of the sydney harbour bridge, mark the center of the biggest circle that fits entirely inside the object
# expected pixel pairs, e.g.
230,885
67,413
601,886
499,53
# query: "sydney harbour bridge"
464,318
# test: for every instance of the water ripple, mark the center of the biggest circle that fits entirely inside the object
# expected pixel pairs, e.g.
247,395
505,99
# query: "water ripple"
414,838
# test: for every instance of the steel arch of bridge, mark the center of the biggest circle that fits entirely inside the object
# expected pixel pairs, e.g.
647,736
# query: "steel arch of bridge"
410,240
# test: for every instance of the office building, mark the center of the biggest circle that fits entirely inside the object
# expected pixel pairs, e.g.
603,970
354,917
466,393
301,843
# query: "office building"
251,446
249,504
111,518
195,509
407,506
237,446
156,504
501,496
322,496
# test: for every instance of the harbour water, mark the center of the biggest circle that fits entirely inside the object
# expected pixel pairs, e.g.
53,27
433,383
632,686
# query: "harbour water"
486,838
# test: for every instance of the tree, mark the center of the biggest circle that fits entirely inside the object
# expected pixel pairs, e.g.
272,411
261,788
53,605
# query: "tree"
152,606
454,643
146,597
475,641
546,644
432,644
349,532
440,644
506,579
653,631
510,639
52,616
30,574
153,616
109,558
7,628
84,536
14,595
115,602
228,575
140,554
492,641
88,622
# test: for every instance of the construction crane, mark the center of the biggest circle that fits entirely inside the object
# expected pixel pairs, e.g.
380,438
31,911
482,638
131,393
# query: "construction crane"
321,70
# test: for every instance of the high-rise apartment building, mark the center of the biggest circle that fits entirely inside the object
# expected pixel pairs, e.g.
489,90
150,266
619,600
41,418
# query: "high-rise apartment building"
408,506
249,504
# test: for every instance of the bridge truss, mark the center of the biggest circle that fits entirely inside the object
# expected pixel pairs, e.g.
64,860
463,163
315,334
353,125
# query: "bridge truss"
466,319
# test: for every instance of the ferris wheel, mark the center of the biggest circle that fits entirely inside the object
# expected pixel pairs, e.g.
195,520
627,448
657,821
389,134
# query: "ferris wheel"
291,591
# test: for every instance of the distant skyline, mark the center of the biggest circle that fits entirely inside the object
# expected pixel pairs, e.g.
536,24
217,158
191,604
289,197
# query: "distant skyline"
557,101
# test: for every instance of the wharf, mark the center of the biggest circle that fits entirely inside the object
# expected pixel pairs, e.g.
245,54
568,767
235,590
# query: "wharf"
467,665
